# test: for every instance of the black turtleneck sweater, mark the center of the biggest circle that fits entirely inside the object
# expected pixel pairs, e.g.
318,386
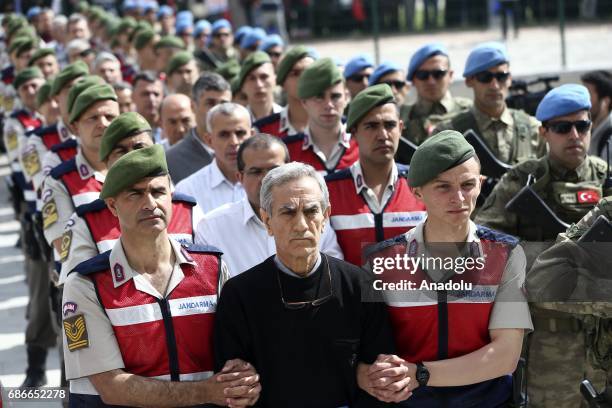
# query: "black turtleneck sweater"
306,357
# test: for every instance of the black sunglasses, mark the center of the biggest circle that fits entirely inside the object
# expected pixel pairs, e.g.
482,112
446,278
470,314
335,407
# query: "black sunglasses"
359,78
563,127
423,75
86,52
395,84
486,76
217,35
313,303
274,54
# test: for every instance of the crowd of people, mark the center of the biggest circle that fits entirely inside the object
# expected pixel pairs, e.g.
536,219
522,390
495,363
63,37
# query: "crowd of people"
201,206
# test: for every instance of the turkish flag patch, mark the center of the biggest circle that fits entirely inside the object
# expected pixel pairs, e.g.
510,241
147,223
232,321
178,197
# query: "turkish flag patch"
588,196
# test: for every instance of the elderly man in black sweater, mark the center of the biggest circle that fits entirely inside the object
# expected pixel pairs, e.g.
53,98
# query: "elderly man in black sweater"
305,320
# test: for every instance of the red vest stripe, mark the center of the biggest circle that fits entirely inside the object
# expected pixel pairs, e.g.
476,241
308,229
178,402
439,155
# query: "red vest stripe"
355,224
308,156
81,191
29,122
171,336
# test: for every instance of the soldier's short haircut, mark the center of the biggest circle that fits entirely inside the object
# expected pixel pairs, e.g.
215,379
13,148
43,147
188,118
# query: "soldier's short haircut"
260,141
601,80
147,76
226,109
122,86
103,57
209,81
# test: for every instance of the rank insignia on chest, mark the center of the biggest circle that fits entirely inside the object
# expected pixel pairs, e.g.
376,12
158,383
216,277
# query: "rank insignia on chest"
49,213
588,196
568,198
76,332
118,272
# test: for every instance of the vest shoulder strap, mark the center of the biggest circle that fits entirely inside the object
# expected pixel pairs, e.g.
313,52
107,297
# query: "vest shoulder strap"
95,205
98,263
402,170
464,121
339,175
66,167
372,249
293,138
202,249
266,120
496,236
183,198
66,144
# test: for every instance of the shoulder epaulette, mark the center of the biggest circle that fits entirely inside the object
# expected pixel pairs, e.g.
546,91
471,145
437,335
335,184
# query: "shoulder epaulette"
293,138
43,130
63,168
95,205
184,198
267,120
400,239
201,249
66,144
17,112
98,263
339,175
29,133
497,236
402,170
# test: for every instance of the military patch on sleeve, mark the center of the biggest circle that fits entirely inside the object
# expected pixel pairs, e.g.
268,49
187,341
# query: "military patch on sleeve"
9,103
31,163
65,245
76,332
49,213
11,141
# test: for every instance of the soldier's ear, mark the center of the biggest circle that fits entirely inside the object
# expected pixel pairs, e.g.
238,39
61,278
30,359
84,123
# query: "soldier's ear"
110,203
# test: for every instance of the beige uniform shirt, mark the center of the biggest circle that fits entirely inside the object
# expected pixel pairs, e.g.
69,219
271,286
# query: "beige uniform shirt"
78,244
100,352
510,309
58,204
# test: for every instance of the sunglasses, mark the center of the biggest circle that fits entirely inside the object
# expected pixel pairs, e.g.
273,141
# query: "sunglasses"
359,78
486,76
86,52
423,75
395,84
217,35
274,54
564,127
313,303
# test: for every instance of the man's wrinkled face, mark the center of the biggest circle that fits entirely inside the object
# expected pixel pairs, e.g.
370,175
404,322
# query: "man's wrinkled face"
569,148
432,78
451,197
27,92
491,95
258,161
297,218
90,126
259,84
124,146
148,97
326,110
144,208
79,29
126,104
227,134
176,121
110,71
48,66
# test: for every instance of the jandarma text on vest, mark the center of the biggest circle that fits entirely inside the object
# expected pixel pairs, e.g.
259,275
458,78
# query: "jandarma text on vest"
411,264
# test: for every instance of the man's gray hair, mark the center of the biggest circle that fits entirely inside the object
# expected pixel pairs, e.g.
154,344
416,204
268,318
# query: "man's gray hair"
60,20
286,173
209,81
77,45
74,17
226,109
103,57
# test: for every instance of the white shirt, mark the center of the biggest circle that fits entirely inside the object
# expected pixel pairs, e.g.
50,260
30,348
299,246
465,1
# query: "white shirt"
276,108
226,225
210,188
368,194
344,142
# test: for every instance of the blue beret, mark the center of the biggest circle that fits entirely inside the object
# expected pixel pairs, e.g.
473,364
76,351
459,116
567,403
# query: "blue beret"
382,70
241,32
251,39
33,12
270,41
356,64
219,24
566,99
422,54
129,5
201,26
181,26
485,56
150,6
184,16
165,11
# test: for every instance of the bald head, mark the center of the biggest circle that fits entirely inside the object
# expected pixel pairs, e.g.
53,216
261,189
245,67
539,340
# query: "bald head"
177,117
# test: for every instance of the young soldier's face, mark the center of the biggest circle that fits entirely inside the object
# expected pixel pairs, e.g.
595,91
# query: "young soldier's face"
27,92
48,65
259,84
378,134
93,122
491,92
569,148
438,78
397,81
139,141
326,110
21,60
451,197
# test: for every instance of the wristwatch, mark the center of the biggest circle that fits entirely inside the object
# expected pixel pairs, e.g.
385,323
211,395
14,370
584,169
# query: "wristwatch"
422,374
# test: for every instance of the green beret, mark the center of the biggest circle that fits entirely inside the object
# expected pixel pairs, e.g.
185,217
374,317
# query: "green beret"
140,26
229,70
318,77
25,75
133,167
15,24
41,53
25,31
366,100
170,41
21,44
125,125
178,60
251,62
90,96
437,154
44,94
235,85
79,86
143,38
83,7
286,64
70,72
127,24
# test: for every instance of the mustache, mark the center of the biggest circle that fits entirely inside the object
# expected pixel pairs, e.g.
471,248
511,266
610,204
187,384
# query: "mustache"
150,214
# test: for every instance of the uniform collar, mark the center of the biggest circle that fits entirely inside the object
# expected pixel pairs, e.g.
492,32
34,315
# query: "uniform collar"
248,214
484,121
84,168
122,272
63,131
425,108
285,124
276,108
416,242
560,172
344,138
216,176
359,179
